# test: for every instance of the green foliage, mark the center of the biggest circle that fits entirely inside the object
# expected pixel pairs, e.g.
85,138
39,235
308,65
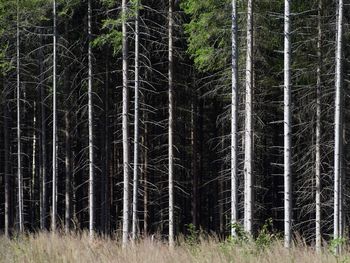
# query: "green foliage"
334,245
265,238
208,32
193,235
111,27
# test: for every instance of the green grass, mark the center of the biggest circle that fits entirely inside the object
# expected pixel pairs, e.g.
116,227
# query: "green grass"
46,247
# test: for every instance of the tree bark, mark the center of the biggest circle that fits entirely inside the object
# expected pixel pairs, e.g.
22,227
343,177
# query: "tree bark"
171,125
43,170
19,150
234,120
125,127
338,123
136,126
248,154
91,136
318,129
54,127
287,129
6,168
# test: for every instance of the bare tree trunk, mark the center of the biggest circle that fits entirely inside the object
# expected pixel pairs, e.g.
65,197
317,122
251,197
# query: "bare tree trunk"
136,127
171,126
145,175
248,154
318,129
54,127
125,127
34,168
6,168
194,158
234,120
105,215
19,150
287,129
338,122
91,136
68,171
43,170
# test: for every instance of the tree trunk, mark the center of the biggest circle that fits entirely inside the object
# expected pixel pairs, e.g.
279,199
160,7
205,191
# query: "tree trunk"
234,121
136,127
338,122
54,127
194,163
43,170
6,168
171,126
248,154
318,129
125,124
145,174
287,129
19,150
105,214
91,136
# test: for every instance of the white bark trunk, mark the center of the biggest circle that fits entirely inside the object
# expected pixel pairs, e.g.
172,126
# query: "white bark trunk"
287,128
54,127
171,127
19,150
318,129
136,127
234,120
91,135
338,122
125,128
248,133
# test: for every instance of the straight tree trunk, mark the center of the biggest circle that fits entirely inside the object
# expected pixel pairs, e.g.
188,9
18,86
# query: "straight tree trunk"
105,215
194,158
248,154
145,175
171,126
338,122
136,126
19,150
91,136
234,120
34,170
125,127
6,168
287,129
68,171
43,170
318,128
54,127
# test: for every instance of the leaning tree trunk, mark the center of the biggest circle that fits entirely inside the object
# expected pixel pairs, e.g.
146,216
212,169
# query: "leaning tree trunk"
125,127
91,136
171,126
136,126
318,129
234,119
248,133
338,122
287,129
54,127
19,150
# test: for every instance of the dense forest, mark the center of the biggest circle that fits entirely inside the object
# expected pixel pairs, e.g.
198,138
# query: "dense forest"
141,117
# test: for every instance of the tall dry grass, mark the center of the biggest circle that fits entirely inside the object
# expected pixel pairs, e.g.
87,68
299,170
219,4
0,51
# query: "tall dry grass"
46,247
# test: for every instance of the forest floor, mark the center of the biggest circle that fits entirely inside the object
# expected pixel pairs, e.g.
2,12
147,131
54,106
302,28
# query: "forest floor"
78,248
